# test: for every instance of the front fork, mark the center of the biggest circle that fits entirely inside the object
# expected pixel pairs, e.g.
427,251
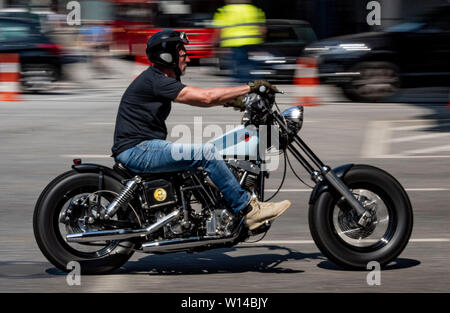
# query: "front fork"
325,173
338,184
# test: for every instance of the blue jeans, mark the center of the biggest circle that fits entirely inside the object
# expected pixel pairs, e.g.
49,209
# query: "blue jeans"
158,156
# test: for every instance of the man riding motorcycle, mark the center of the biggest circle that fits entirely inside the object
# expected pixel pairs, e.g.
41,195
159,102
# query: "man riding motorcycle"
140,132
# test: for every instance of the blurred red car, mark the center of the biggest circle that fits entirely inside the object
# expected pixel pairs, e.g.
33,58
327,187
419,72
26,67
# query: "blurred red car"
135,21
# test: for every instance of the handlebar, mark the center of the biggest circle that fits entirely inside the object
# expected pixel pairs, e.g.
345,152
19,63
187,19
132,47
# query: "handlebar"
263,90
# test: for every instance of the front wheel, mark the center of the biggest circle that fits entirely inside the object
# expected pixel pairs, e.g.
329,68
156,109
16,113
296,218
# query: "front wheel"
334,227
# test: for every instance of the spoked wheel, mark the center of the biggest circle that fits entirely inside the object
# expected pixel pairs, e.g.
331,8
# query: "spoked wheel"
77,216
69,205
334,224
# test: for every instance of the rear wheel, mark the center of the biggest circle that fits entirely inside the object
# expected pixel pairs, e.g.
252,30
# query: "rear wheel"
65,207
334,227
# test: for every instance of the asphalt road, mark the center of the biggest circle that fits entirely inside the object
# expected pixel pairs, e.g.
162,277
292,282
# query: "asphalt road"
409,138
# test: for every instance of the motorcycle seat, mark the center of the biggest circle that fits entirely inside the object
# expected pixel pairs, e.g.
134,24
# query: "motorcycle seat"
127,173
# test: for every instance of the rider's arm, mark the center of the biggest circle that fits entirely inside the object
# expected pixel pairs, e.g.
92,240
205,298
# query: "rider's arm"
210,97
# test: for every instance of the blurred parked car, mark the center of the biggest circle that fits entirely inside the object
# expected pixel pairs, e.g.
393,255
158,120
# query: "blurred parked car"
40,17
275,60
40,59
372,66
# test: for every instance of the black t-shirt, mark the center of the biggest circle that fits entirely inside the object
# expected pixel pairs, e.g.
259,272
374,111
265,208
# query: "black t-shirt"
144,108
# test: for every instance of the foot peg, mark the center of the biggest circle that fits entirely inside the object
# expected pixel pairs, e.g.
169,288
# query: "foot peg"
261,229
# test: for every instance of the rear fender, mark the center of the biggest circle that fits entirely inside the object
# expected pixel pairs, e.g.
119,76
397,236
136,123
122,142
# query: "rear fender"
323,186
97,168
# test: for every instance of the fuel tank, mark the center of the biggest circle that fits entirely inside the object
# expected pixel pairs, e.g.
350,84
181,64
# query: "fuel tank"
241,142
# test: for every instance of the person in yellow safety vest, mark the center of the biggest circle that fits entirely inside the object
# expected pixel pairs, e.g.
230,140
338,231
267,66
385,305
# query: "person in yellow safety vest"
241,26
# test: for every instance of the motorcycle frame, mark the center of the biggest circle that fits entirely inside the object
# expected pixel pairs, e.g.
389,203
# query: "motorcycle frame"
324,174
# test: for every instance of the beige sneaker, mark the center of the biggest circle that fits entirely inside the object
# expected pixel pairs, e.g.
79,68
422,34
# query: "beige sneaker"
262,212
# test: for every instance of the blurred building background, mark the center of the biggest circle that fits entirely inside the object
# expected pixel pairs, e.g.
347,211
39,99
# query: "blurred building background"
327,17
113,30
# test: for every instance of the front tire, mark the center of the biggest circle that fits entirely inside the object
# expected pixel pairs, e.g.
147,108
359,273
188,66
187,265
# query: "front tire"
335,231
47,228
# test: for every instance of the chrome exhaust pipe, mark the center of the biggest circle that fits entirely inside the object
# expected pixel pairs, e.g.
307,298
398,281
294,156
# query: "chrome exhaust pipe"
120,234
185,243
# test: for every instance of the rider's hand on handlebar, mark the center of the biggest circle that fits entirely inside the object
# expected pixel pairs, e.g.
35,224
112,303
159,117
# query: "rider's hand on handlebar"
262,87
236,103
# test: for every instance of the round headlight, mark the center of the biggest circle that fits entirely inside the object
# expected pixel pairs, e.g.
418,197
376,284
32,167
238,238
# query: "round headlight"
294,118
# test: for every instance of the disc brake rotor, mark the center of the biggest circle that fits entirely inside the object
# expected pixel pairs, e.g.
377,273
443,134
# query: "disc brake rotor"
345,220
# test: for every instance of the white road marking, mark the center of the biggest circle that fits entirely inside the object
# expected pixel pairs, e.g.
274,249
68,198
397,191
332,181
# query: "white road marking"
280,242
87,96
415,121
100,123
376,140
301,242
428,150
419,137
430,240
424,124
427,189
93,156
402,156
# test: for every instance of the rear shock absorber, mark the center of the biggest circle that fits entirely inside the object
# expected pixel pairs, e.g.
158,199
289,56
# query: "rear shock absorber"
124,197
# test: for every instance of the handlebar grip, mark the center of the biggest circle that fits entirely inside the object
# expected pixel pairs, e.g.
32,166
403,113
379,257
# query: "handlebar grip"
263,89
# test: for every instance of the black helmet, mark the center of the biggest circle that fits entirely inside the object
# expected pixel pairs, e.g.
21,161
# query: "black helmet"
162,48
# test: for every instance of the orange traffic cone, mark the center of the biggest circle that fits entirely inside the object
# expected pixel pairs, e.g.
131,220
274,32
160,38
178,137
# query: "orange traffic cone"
307,82
9,77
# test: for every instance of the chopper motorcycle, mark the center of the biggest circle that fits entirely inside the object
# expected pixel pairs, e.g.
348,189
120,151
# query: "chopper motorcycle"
99,216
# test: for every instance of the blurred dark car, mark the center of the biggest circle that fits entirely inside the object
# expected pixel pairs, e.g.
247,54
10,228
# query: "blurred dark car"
40,59
275,60
372,66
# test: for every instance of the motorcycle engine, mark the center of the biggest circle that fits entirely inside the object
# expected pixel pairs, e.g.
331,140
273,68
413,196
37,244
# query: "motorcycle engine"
200,221
220,223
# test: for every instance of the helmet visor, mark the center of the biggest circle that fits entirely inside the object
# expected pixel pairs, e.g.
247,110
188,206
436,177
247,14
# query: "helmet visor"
184,38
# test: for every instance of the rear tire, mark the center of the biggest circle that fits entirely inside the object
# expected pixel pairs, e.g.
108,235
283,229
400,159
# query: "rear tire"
51,241
355,253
